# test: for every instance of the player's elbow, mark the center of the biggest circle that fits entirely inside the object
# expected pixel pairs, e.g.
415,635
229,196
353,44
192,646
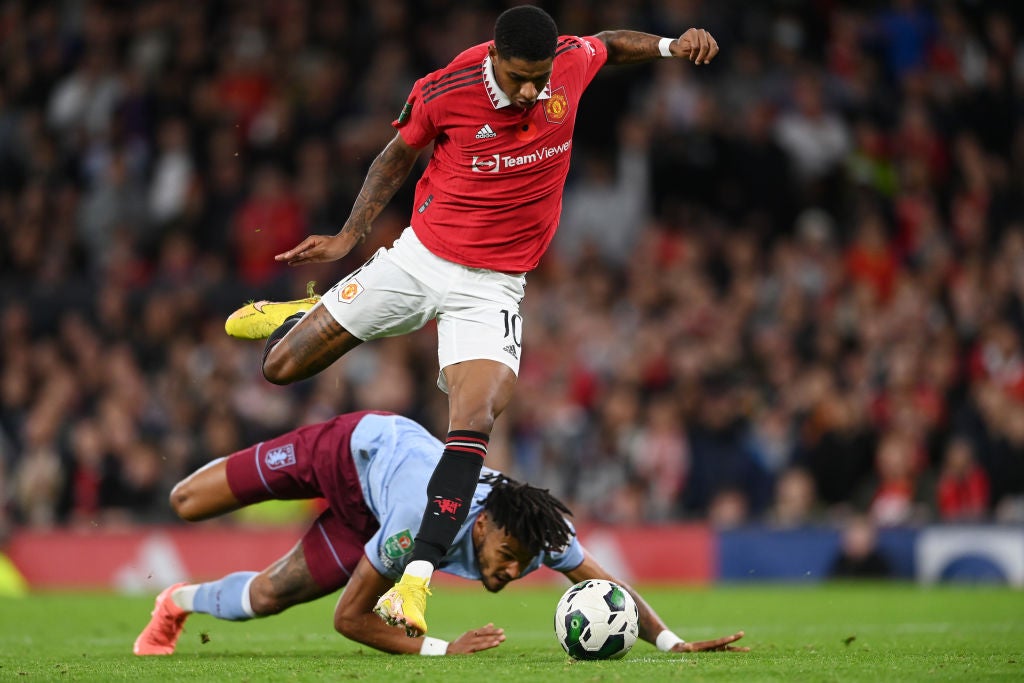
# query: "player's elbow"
185,503
346,625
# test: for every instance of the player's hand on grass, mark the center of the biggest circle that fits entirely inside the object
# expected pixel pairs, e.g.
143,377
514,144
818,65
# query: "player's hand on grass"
476,640
717,645
318,249
696,45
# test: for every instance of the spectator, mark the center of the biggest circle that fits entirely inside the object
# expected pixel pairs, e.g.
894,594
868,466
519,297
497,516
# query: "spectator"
898,494
795,500
814,137
660,458
728,509
963,486
269,221
604,209
172,173
859,556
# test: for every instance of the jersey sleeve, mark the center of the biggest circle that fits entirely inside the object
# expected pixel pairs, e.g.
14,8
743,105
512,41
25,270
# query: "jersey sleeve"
594,54
390,549
566,560
415,123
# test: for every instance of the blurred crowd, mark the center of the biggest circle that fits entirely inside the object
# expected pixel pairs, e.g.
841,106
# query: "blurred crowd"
788,287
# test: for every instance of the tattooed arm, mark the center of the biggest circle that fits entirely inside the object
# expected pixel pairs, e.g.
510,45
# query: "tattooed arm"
387,173
634,47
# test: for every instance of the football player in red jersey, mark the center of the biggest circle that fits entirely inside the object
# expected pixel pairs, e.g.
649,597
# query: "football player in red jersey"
500,117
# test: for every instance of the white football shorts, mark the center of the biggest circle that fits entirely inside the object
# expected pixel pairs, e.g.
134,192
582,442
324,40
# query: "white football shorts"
402,288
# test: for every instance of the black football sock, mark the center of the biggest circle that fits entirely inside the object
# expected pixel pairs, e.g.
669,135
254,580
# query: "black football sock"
449,494
278,334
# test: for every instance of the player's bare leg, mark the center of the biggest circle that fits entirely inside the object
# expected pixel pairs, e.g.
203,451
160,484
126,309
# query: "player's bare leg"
306,347
236,597
478,391
285,583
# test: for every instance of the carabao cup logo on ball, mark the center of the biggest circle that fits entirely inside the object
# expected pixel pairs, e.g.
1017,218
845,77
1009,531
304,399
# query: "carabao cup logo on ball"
596,619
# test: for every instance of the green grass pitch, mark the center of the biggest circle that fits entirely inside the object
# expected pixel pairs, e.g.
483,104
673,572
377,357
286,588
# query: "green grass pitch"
813,633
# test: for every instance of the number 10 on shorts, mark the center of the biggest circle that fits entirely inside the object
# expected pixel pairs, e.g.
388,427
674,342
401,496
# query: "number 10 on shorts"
513,329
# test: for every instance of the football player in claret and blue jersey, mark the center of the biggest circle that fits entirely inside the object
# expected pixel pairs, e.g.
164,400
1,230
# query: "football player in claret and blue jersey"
371,468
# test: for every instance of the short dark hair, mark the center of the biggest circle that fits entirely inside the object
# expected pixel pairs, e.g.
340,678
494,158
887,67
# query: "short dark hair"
529,514
525,32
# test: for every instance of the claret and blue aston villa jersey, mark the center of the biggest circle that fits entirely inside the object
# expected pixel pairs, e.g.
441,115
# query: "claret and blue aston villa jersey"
491,195
395,458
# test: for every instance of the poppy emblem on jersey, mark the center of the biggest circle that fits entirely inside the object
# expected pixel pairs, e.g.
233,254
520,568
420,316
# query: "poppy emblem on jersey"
557,106
349,291
526,130
399,544
282,456
486,164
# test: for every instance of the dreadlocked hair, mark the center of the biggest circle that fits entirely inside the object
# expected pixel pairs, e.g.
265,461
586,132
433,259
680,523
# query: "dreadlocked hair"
531,515
525,32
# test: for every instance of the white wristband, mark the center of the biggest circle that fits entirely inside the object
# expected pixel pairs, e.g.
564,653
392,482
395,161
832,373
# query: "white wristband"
664,47
666,640
433,646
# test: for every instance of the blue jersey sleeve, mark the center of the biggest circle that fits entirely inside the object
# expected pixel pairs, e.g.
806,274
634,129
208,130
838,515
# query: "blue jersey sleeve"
390,549
566,560
394,458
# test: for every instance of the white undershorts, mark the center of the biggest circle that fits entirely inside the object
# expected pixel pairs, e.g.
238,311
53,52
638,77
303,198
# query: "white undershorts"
402,288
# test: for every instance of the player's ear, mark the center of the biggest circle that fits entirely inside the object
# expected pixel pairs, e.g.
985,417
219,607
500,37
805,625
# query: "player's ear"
492,52
479,530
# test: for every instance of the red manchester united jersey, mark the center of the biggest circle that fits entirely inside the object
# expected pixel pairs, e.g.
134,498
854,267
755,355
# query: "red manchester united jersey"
492,192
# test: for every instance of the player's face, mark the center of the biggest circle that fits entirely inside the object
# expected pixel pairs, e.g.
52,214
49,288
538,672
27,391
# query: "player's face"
520,79
501,557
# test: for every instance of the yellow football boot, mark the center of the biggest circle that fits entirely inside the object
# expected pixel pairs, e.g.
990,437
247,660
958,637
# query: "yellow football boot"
405,604
259,319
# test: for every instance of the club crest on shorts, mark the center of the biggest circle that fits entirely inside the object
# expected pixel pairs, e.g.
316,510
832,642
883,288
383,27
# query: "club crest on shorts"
349,291
279,457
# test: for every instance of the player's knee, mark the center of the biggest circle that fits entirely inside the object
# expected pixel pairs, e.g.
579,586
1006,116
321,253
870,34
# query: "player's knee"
277,369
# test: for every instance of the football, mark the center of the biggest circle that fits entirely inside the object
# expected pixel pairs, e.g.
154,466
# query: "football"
596,619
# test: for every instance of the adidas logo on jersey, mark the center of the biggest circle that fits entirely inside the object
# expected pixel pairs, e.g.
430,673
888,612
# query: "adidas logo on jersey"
485,133
511,350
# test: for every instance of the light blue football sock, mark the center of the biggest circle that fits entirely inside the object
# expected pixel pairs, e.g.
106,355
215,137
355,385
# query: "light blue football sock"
227,598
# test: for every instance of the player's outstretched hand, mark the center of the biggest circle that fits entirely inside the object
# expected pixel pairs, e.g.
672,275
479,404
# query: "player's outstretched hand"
717,645
317,249
697,45
476,640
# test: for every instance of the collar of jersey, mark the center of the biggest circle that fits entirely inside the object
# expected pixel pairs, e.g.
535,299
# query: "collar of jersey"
498,97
